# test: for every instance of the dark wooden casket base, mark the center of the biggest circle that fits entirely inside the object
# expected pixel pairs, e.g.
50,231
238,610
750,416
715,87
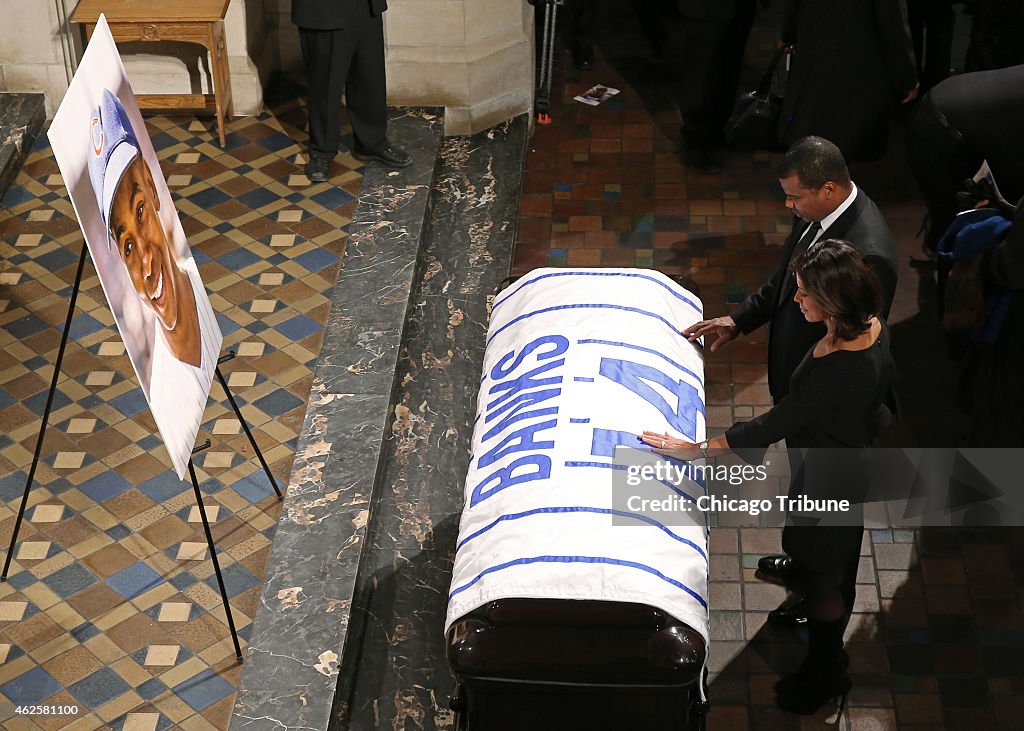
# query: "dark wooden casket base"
566,664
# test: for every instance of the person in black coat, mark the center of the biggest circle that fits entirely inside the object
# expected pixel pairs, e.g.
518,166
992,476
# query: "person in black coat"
967,119
827,204
715,36
850,61
343,50
836,401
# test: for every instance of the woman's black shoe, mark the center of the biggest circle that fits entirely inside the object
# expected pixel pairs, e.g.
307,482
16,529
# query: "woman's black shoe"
780,567
822,676
809,696
792,683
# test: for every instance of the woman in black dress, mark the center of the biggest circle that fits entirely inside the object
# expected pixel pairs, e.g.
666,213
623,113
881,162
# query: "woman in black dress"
836,406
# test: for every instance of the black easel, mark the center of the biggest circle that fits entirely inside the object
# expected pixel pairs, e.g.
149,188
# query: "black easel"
191,470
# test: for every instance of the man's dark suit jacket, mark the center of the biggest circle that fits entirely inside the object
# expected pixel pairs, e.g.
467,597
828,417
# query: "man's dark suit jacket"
791,336
330,14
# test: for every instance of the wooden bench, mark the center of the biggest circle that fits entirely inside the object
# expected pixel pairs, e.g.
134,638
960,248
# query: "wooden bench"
192,21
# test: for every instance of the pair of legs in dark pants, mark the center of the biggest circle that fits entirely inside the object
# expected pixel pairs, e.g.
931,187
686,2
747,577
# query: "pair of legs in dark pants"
349,60
712,61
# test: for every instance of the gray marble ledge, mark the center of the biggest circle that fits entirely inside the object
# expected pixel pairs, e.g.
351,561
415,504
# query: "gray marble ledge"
301,626
394,674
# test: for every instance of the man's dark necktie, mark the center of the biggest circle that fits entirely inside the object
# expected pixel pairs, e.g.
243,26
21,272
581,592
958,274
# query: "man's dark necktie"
805,241
801,246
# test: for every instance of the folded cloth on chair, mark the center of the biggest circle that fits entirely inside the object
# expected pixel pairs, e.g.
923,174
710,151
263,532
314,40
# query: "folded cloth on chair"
577,362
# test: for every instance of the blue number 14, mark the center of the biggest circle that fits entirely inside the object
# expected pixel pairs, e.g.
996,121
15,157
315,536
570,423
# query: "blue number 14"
635,376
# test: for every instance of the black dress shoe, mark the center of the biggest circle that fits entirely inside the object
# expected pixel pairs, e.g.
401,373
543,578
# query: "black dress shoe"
317,169
779,567
702,159
391,156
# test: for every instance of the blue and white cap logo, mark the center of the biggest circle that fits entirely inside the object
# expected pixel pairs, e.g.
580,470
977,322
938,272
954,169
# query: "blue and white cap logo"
113,148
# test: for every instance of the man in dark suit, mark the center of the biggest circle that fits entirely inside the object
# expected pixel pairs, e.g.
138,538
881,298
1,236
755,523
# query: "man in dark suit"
343,49
828,205
716,34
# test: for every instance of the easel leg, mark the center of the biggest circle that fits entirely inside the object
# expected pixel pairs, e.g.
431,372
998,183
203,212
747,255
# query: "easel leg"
216,563
46,412
238,412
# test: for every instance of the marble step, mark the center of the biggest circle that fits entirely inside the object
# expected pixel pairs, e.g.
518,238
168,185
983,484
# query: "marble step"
300,633
21,118
393,672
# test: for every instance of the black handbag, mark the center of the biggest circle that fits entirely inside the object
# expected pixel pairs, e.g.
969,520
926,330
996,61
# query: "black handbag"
755,117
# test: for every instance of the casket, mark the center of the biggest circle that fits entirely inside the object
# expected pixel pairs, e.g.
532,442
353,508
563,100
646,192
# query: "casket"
568,608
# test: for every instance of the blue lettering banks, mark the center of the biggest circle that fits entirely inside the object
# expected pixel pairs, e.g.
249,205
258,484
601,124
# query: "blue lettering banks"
528,401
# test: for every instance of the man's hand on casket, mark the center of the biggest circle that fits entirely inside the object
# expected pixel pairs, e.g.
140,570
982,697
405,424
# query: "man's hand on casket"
724,329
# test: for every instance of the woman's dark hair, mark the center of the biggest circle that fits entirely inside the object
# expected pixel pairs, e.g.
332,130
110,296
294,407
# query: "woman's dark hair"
843,284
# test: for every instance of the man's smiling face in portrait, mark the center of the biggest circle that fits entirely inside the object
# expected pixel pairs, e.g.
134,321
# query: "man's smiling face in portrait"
143,246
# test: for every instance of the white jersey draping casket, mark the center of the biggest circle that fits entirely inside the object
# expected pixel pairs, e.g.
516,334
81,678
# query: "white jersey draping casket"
578,361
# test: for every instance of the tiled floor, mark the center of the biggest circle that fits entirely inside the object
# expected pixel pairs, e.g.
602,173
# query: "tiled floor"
938,632
111,602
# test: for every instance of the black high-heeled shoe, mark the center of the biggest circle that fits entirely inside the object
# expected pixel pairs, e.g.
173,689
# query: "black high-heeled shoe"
822,677
791,683
807,697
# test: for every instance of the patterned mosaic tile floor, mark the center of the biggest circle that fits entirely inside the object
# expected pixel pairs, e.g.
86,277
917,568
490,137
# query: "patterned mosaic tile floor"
111,603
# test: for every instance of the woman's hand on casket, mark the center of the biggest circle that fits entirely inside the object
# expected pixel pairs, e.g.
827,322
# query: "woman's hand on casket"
724,329
678,448
669,446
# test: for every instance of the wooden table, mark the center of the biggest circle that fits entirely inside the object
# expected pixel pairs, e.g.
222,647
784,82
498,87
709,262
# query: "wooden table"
193,21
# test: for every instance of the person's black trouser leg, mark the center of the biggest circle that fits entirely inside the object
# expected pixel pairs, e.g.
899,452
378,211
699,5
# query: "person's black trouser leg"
939,25
734,43
366,91
848,583
701,76
931,27
652,21
326,67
